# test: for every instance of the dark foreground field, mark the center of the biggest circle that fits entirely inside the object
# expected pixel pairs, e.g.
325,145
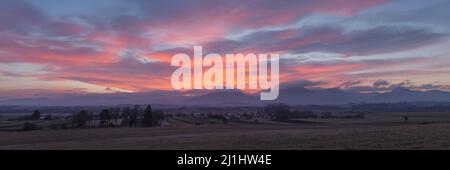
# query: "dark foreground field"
237,136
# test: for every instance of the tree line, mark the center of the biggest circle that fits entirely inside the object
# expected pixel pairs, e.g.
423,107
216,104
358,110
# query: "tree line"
128,117
106,118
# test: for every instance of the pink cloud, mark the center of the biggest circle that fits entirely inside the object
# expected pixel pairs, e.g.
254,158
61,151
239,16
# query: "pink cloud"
91,54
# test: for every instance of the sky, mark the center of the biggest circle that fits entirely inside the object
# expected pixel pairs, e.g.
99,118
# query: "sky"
107,46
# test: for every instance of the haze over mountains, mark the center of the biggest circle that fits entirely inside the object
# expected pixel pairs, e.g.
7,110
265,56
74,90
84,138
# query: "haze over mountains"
291,95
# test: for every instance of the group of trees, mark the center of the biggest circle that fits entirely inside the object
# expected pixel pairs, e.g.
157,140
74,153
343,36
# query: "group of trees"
131,117
283,112
279,111
79,119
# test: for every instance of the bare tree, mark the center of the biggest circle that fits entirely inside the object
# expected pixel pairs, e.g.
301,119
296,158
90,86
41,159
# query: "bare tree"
157,117
105,118
134,115
115,113
126,114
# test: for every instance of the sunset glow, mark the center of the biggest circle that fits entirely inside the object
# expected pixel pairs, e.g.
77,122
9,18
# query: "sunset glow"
109,46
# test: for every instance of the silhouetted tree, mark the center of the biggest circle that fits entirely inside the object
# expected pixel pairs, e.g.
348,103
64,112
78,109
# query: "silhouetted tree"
115,114
137,109
126,113
89,119
157,117
105,118
79,119
36,115
279,111
148,114
134,115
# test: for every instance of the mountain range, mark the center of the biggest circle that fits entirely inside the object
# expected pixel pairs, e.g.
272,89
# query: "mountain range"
291,95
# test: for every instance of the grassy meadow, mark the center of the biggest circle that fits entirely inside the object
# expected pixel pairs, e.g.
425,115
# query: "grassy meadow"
375,131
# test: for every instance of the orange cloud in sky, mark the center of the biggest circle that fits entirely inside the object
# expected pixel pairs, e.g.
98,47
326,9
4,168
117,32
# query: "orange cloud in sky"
91,49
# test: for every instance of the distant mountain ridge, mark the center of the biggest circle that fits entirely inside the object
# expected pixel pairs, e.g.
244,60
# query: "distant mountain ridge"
291,95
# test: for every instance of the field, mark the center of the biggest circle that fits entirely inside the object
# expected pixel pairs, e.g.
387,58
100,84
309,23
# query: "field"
376,131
